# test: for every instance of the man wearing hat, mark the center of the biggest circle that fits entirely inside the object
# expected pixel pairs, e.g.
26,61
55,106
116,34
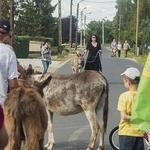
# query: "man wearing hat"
8,63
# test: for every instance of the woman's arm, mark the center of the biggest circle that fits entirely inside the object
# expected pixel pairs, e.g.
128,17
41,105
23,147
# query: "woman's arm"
100,48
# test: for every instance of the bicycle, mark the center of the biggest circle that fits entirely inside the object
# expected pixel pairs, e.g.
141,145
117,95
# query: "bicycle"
114,139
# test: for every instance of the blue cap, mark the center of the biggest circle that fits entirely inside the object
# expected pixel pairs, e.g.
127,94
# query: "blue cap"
5,24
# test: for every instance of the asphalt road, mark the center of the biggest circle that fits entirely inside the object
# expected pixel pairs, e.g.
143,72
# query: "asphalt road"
73,132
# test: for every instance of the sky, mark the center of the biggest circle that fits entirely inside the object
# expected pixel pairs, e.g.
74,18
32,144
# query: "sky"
99,9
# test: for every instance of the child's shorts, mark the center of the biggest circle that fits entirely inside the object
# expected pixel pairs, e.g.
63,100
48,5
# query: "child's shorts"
131,143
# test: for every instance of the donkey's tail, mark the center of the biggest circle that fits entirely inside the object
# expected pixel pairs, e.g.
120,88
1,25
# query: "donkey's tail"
102,107
105,106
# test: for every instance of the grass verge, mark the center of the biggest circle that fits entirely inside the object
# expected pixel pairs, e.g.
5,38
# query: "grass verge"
140,59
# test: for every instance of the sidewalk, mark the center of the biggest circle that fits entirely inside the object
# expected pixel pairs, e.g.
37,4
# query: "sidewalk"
37,64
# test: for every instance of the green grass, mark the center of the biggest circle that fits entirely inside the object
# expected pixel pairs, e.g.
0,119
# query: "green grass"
61,57
140,59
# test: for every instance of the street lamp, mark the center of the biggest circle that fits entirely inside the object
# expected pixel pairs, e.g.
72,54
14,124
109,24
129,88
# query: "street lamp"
81,26
85,26
0,8
103,31
76,38
137,26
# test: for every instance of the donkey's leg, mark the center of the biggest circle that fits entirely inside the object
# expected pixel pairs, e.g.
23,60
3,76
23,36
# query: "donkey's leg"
10,128
94,128
101,116
51,141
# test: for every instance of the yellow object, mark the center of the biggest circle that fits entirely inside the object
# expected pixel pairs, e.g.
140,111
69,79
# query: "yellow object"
125,104
141,111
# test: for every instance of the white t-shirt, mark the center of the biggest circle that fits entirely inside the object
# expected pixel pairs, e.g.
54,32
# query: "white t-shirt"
8,69
119,46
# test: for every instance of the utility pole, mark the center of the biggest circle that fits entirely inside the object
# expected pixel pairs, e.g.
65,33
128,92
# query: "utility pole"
0,8
12,20
70,33
76,38
103,32
81,34
59,23
81,29
117,27
137,25
84,29
119,36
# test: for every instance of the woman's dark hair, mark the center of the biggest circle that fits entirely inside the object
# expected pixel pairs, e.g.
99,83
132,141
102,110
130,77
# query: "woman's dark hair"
97,39
46,40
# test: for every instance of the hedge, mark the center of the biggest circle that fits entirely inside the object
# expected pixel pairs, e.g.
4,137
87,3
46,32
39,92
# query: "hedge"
21,46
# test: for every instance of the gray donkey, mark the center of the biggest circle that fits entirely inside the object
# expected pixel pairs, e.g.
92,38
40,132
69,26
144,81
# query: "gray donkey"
71,94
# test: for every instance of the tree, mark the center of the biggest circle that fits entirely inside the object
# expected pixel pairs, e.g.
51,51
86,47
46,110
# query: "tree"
5,9
95,27
127,10
34,18
65,29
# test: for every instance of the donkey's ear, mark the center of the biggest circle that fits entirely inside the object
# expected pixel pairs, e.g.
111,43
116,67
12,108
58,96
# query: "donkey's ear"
45,82
77,54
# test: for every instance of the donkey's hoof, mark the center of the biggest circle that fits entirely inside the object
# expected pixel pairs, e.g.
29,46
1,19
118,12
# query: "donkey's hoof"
45,146
89,148
51,145
100,148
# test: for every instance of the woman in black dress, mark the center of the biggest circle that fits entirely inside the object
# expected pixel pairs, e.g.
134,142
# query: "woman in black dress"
94,51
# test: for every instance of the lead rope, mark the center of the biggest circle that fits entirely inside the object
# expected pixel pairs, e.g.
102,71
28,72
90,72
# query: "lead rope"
100,57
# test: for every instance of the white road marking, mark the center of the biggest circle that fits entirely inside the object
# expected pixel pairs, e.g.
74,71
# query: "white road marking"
74,136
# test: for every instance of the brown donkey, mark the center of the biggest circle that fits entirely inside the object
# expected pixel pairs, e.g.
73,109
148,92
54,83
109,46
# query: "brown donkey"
25,118
71,94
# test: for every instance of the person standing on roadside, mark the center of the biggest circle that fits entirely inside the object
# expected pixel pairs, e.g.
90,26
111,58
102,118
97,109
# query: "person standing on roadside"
8,63
94,51
119,47
46,55
126,48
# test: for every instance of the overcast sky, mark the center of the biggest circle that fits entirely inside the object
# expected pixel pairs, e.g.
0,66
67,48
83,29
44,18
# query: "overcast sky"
99,9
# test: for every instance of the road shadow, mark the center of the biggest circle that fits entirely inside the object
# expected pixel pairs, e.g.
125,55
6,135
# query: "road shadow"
76,145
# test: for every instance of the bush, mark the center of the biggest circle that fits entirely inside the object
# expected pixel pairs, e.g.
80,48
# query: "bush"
21,46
